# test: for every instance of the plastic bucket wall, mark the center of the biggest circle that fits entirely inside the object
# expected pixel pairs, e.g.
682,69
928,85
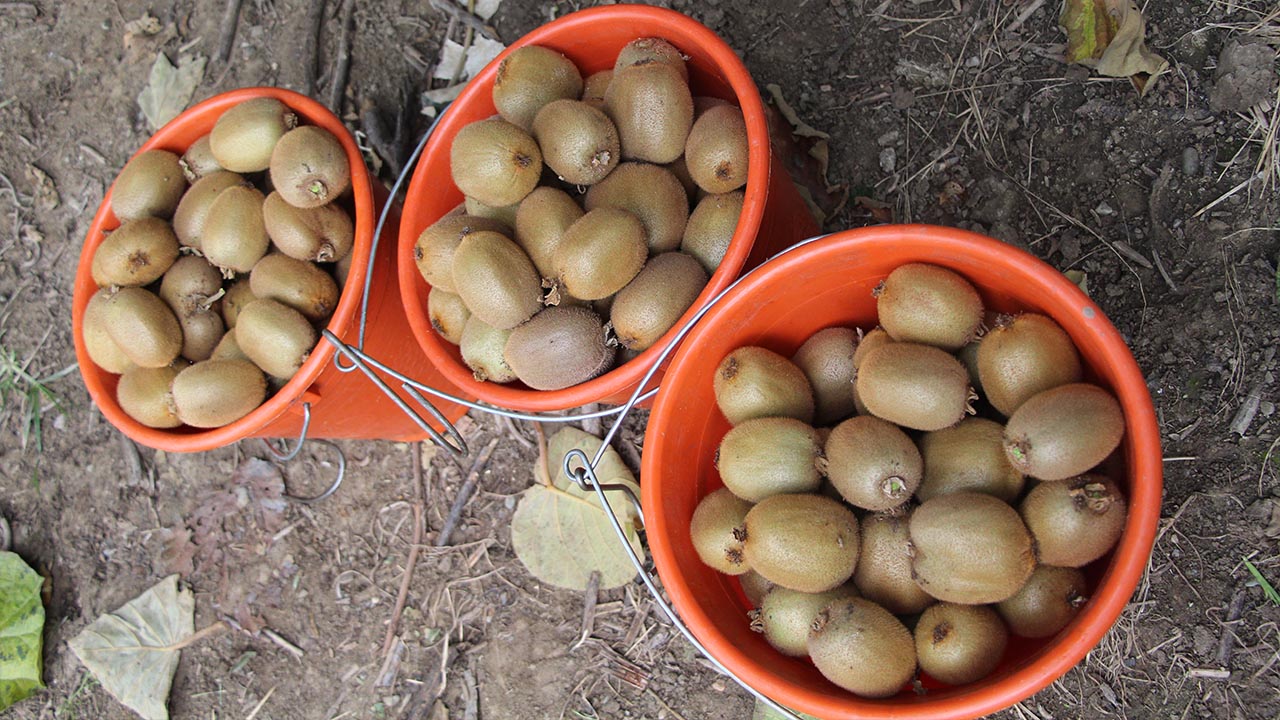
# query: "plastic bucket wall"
828,283
342,405
773,215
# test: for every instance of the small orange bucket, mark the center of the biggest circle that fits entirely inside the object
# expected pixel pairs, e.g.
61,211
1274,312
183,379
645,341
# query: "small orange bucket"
773,214
339,405
828,282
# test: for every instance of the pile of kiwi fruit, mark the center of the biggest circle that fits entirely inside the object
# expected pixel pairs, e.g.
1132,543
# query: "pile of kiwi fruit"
576,248
227,261
902,500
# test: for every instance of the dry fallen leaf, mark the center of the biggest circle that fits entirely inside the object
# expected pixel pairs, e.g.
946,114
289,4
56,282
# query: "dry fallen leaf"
1108,35
170,88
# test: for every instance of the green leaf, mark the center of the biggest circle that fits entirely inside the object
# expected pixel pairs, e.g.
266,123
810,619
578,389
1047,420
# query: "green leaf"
1267,588
1109,35
21,629
764,712
134,651
1089,29
569,438
170,88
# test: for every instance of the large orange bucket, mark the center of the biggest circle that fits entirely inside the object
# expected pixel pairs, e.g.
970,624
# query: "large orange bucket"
773,214
339,405
825,283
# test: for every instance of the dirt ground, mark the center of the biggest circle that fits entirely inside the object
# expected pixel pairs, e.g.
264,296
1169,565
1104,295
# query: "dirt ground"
956,112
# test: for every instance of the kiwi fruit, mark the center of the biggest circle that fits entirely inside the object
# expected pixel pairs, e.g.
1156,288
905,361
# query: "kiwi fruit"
235,237
228,349
655,300
968,356
541,221
558,348
448,314
309,167
681,171
866,343
319,234
529,78
579,142
769,456
143,327
970,548
214,393
1023,356
434,250
644,51
595,87
193,210
803,542
711,227
1051,598
505,214
299,284
276,337
342,270
239,294
496,280
859,646
600,253
198,161
921,303
243,138
754,586
495,162
703,103
102,349
150,185
143,393
968,456
873,464
827,360
482,347
1063,431
716,531
716,150
136,253
653,195
786,616
916,386
960,644
1075,521
202,330
191,285
652,108
753,382
884,565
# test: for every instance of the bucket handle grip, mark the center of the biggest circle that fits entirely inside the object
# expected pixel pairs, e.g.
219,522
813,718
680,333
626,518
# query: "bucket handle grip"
284,455
333,487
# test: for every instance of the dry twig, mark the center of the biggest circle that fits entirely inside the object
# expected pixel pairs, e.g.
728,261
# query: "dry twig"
227,35
338,85
456,12
464,494
311,51
403,595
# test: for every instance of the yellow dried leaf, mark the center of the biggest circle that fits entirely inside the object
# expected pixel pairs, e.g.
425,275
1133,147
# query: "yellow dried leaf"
1108,35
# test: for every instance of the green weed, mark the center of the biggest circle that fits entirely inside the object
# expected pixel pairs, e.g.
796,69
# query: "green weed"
32,395
1267,588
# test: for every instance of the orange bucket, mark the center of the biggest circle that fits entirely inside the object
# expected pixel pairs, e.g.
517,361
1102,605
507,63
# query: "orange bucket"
773,214
829,282
340,407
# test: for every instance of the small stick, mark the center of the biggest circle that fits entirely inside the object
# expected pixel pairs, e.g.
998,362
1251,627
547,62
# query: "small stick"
591,597
343,67
1248,410
457,13
311,53
1128,251
283,644
1226,643
262,702
132,460
403,595
1209,674
1023,16
227,36
1164,273
464,494
391,665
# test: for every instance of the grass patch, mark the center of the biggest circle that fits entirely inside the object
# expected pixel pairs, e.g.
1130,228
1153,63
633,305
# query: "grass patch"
32,395
1267,588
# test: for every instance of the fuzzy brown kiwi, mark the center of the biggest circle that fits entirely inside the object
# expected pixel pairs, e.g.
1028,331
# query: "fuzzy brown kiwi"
319,234
228,349
653,195
927,304
968,456
827,360
309,167
214,393
681,171
299,284
529,78
144,395
202,330
558,348
102,349
198,161
769,456
541,221
276,337
1075,521
238,294
1063,431
1051,598
193,210
495,162
496,279
786,616
714,531
433,252
191,285
801,541
970,548
968,356
873,464
716,150
135,254
235,236
505,214
652,108
859,646
448,314
595,87
960,644
652,303
244,136
1023,356
578,142
482,347
150,185
143,327
884,564
754,586
600,253
867,342
753,382
643,51
916,386
711,227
